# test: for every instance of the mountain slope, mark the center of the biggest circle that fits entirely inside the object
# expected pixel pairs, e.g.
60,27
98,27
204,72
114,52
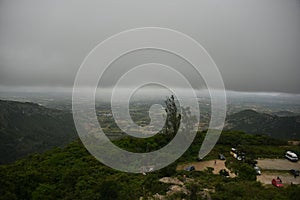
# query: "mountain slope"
27,127
254,122
72,173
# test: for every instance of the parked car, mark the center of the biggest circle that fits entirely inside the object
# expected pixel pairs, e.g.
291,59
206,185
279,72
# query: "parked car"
222,157
241,156
233,152
237,154
224,173
291,156
294,172
277,182
258,172
190,168
199,159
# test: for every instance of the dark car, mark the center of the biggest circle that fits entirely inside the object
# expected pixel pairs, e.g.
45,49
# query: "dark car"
222,157
190,168
199,159
294,172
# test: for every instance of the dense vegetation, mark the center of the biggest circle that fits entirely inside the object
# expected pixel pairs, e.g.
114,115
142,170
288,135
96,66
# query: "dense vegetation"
27,128
72,173
250,121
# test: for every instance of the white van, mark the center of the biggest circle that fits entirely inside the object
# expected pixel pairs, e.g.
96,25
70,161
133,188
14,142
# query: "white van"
291,156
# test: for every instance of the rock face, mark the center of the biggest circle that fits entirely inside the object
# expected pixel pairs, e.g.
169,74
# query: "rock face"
27,128
170,180
177,186
177,189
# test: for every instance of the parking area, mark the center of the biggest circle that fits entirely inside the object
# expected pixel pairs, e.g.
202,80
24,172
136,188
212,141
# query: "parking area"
266,177
277,164
272,168
201,166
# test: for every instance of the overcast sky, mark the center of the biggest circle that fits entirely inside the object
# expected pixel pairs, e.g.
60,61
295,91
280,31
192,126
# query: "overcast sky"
255,43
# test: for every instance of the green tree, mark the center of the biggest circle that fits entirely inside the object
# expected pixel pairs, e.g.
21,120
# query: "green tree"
44,191
173,117
194,188
110,190
246,172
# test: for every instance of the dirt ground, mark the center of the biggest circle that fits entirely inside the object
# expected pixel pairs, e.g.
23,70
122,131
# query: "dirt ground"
266,178
277,164
269,167
200,166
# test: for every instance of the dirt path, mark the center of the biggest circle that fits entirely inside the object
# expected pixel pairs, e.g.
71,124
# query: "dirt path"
201,166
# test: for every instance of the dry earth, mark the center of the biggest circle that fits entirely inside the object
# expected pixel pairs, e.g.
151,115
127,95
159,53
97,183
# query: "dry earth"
201,166
277,164
267,176
272,168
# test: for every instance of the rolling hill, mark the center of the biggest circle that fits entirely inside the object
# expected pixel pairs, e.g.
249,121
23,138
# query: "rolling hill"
250,121
27,127
72,173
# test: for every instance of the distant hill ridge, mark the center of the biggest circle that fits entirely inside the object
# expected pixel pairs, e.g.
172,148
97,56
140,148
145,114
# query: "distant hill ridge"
253,122
27,127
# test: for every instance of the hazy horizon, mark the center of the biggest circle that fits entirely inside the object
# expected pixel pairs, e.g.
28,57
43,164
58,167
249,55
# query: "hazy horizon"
70,89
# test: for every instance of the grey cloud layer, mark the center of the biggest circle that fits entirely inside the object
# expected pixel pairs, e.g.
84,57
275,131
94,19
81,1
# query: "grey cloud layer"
255,43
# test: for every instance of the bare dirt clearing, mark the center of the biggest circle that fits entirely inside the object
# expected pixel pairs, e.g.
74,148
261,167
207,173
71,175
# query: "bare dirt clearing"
266,178
201,166
277,164
269,167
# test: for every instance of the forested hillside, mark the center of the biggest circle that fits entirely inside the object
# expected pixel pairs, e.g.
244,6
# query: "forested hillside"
27,127
250,121
72,173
